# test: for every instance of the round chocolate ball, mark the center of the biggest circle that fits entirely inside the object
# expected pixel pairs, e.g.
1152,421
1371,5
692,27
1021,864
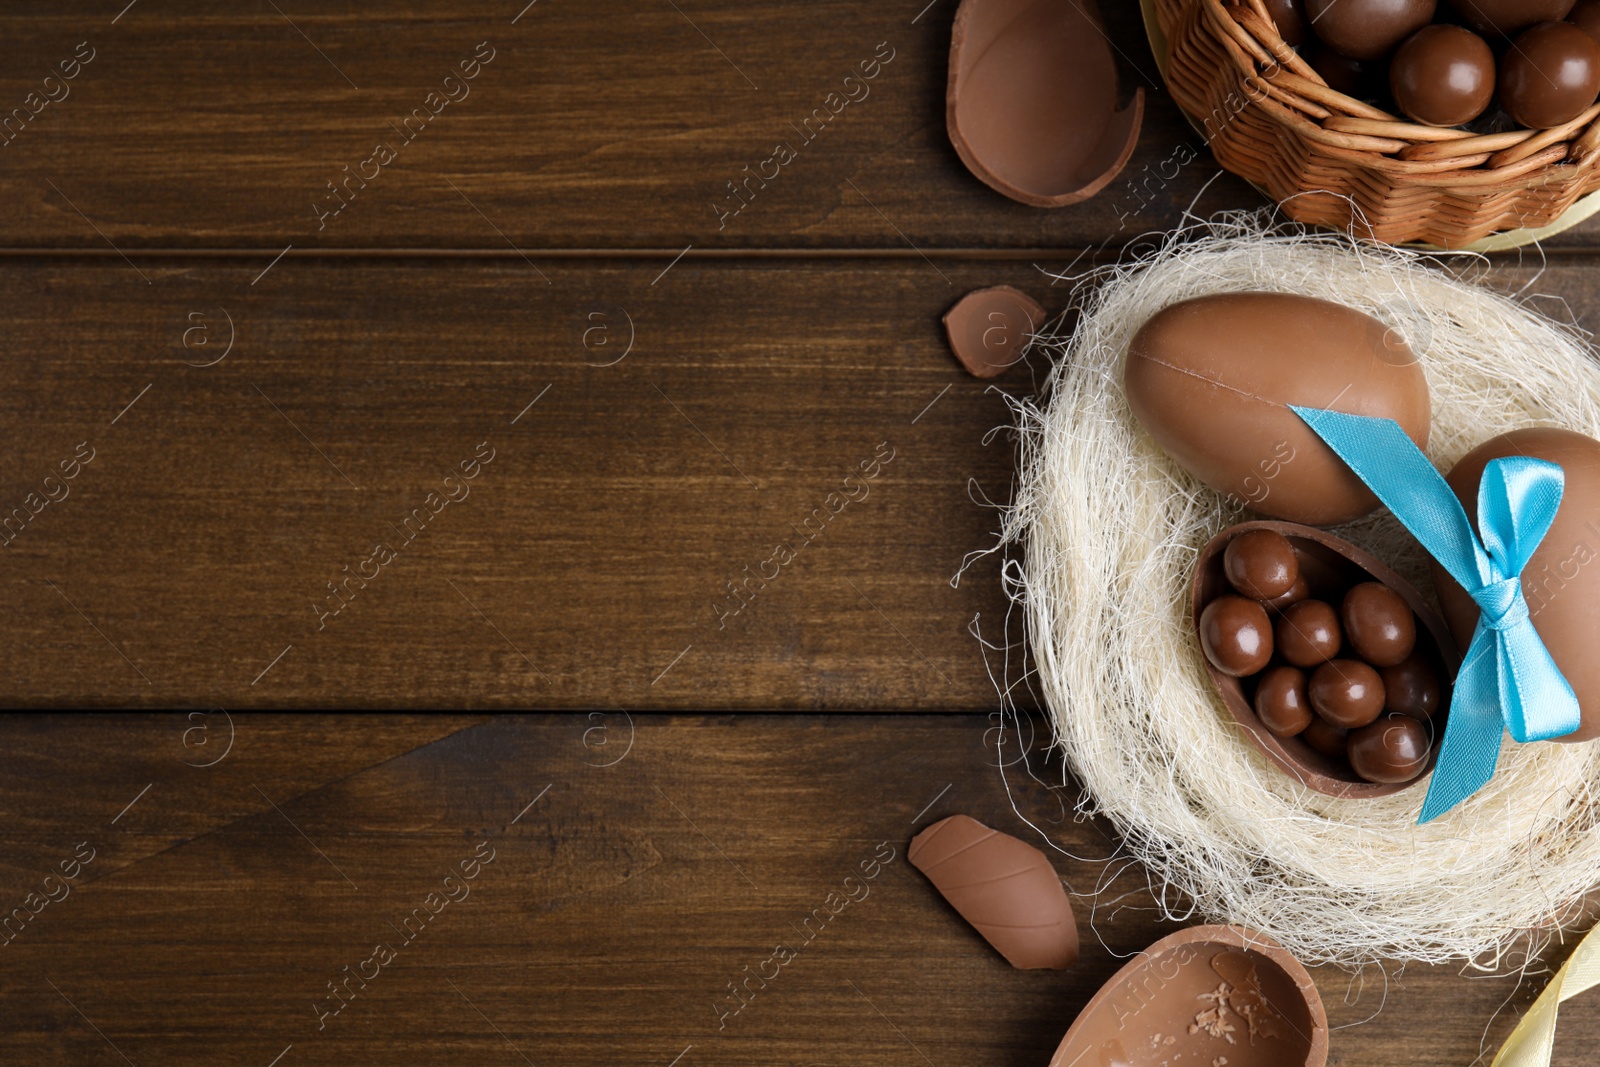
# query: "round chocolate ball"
1378,624
1308,633
1508,17
1443,75
1281,701
1550,75
1392,749
1343,74
1261,564
1236,635
1412,687
1346,692
1289,17
1325,738
1585,15
1368,29
1301,590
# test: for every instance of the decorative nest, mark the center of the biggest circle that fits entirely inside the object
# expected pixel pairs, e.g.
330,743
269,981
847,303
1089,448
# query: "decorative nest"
1331,160
1109,528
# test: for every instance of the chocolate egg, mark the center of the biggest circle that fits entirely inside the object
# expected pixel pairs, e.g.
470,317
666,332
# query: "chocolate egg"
1325,738
1281,701
1443,76
1261,564
1346,692
1378,624
1412,687
1289,18
1506,17
1562,579
1392,749
1550,75
1308,633
1349,76
1235,635
1585,15
1212,379
1368,29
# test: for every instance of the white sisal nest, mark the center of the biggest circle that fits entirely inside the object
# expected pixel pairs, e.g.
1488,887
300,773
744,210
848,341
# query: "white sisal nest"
1109,528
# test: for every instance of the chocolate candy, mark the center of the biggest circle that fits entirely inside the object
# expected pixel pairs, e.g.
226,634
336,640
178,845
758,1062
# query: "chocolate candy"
1308,633
1561,581
1289,17
1586,16
989,328
1550,75
1392,749
1378,624
1261,564
1349,76
1281,702
1368,29
1412,687
1236,635
1298,592
1325,738
1506,17
1346,692
1443,76
1208,379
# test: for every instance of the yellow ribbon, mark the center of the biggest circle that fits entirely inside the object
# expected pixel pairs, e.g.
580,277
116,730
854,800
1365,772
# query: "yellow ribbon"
1530,1044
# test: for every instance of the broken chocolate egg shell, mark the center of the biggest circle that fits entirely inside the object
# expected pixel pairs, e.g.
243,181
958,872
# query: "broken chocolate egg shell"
1031,103
1330,565
1007,889
1206,995
989,328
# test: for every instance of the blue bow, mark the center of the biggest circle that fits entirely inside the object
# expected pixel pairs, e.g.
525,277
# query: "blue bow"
1507,676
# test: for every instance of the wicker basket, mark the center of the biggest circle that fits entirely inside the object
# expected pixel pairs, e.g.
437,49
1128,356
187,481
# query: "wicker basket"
1334,161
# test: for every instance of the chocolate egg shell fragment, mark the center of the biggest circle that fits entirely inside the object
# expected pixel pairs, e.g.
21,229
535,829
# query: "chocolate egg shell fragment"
1368,29
1561,582
1212,379
1506,17
1031,103
988,328
1204,996
1004,887
1443,76
1550,75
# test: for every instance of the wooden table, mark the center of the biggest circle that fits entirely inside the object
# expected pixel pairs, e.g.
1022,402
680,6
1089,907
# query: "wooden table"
545,286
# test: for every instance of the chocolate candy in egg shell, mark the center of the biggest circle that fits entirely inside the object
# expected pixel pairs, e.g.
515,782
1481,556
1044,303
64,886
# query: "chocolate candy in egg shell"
1236,635
1550,75
1585,15
1392,749
1561,582
1413,687
1261,564
1508,17
1346,693
1308,633
1325,739
1368,29
1281,701
1212,379
1443,75
1297,592
1378,624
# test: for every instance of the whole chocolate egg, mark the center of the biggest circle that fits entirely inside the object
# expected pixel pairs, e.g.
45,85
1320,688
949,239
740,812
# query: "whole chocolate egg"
1562,579
1443,75
1212,379
1550,75
1349,76
1289,17
1508,17
1368,29
1585,15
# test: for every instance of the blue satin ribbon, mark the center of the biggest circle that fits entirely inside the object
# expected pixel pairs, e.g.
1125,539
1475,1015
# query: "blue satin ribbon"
1507,677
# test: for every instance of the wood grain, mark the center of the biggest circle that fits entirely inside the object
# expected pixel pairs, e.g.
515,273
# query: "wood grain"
619,905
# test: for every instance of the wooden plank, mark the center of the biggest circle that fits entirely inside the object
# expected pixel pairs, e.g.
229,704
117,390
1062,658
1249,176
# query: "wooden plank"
624,895
189,562
609,124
